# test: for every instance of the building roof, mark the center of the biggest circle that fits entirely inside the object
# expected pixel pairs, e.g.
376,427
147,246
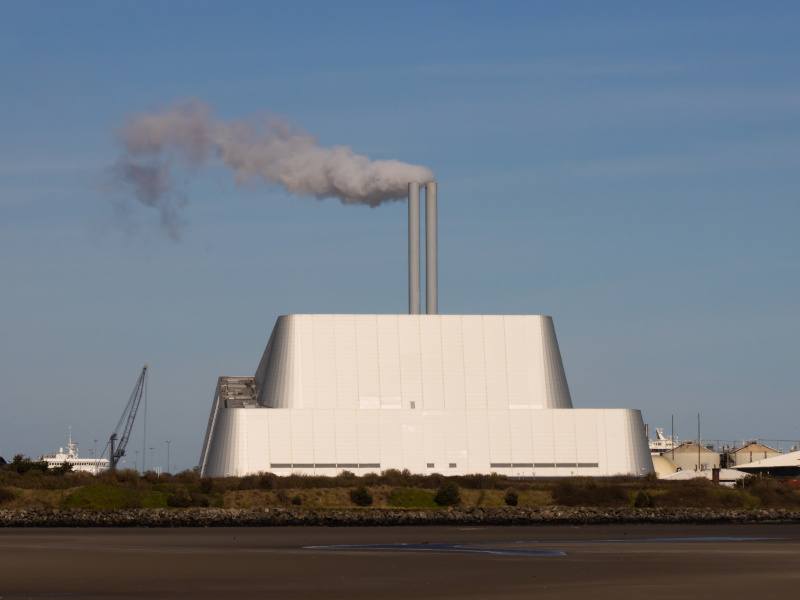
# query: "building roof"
691,447
755,447
781,461
724,475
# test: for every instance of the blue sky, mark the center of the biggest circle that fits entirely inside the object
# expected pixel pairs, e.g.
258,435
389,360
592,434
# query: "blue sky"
632,169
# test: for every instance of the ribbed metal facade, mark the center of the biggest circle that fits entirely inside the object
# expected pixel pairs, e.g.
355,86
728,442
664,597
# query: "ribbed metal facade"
430,393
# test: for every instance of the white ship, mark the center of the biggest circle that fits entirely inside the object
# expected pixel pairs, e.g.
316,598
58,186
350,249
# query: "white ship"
662,443
70,457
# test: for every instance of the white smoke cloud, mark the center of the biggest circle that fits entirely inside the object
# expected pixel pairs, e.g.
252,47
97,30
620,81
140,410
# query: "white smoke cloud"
271,151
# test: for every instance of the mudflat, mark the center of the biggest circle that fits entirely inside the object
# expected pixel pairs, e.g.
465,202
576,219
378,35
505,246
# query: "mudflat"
597,561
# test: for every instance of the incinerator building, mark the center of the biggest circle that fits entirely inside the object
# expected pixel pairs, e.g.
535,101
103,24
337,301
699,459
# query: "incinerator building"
431,393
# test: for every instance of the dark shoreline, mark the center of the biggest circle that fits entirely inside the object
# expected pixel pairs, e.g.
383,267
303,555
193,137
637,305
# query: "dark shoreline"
277,517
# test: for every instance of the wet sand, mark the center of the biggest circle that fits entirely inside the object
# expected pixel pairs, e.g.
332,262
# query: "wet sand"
542,562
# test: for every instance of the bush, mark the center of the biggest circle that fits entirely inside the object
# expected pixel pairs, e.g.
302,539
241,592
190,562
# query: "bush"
642,500
6,495
411,498
297,500
702,493
771,492
179,499
21,465
360,496
102,496
206,485
511,498
448,494
571,492
199,499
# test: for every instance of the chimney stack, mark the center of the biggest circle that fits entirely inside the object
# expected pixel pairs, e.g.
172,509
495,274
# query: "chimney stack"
413,249
431,251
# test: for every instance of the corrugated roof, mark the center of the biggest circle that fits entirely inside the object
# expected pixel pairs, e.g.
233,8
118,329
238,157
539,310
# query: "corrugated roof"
790,459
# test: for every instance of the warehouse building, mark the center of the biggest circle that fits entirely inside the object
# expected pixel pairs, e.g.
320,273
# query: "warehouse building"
750,452
691,457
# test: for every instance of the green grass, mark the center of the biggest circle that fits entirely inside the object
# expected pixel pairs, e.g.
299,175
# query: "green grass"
103,496
412,498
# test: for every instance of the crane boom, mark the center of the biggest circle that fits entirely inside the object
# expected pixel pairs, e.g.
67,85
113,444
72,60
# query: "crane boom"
119,438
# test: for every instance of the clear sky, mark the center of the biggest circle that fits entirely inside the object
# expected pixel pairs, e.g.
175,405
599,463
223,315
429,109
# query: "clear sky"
632,169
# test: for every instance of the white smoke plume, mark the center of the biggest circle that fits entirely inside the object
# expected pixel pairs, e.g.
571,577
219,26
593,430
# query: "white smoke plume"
271,151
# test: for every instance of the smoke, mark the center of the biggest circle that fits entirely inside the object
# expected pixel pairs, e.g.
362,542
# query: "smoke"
270,151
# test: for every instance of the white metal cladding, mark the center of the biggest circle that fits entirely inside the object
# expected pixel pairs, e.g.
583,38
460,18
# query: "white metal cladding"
430,393
431,362
532,442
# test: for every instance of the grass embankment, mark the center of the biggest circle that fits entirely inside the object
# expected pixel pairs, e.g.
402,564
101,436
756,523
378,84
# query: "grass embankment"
32,487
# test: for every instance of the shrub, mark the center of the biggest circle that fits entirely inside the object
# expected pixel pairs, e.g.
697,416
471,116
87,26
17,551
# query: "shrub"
189,476
360,496
103,496
282,496
6,495
701,492
21,464
206,485
448,494
199,499
179,499
771,492
511,498
571,492
411,498
642,500
297,500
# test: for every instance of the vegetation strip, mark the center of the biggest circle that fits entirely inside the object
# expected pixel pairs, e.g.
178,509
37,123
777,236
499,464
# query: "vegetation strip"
214,517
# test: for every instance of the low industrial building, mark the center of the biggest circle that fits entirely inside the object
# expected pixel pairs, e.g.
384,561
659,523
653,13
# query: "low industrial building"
750,452
724,477
783,465
690,456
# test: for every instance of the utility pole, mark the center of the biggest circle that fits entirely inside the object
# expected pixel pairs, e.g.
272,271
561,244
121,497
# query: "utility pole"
168,442
672,437
698,442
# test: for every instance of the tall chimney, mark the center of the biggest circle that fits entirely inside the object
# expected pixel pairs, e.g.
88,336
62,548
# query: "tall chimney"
413,249
431,251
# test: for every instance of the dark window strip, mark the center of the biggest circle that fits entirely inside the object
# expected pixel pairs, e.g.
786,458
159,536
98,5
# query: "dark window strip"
325,465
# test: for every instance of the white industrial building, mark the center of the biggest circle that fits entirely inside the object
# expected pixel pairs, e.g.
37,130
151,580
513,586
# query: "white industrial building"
452,394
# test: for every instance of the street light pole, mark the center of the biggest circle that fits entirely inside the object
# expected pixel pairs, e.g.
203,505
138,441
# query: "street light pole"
168,442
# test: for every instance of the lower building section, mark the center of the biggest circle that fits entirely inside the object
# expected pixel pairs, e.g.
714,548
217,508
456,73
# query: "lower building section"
515,442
